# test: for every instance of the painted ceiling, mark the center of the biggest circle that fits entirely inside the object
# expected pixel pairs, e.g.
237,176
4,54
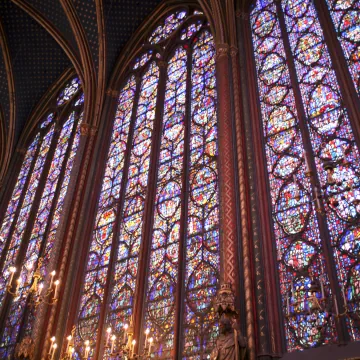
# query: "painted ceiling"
37,59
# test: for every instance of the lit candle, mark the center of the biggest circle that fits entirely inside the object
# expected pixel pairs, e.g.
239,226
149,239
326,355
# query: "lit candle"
68,343
150,344
57,282
113,338
18,282
13,271
87,350
133,347
53,352
322,289
125,332
147,332
108,331
52,343
28,276
72,350
41,286
52,278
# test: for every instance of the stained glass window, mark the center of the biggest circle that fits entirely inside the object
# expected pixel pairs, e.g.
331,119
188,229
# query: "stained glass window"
166,199
296,197
345,15
49,161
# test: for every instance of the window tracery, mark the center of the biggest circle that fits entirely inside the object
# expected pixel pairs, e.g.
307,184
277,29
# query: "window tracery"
185,178
40,189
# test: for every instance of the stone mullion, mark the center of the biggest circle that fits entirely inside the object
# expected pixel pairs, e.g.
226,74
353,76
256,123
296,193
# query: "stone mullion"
269,319
321,217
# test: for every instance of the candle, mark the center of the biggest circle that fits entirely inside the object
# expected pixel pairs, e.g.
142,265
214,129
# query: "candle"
125,332
292,290
147,332
52,343
113,338
150,344
52,278
72,350
28,276
53,352
322,289
18,282
57,282
68,343
41,286
13,271
87,350
108,331
287,305
133,347
336,307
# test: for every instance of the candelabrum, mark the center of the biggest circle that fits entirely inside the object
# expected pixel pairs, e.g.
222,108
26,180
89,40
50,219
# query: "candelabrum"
123,347
116,346
302,300
335,187
36,292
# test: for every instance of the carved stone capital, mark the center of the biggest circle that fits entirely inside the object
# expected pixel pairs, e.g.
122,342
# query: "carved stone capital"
233,51
26,349
222,50
162,64
87,129
93,130
224,301
21,151
241,15
113,93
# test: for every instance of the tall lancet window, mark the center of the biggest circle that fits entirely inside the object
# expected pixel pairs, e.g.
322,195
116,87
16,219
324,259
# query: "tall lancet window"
154,252
313,165
29,237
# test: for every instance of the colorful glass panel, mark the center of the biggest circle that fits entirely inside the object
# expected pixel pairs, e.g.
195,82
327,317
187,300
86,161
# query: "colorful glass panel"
68,92
298,241
346,17
9,339
163,267
190,30
16,194
331,138
132,216
202,238
36,244
99,253
171,23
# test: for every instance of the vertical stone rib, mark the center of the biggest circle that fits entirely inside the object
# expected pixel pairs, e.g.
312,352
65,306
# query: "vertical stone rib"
250,331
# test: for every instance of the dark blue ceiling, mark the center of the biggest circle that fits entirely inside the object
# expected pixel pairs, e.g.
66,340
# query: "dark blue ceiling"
38,60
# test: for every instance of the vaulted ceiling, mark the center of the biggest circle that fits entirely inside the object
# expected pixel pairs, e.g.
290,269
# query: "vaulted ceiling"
39,43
